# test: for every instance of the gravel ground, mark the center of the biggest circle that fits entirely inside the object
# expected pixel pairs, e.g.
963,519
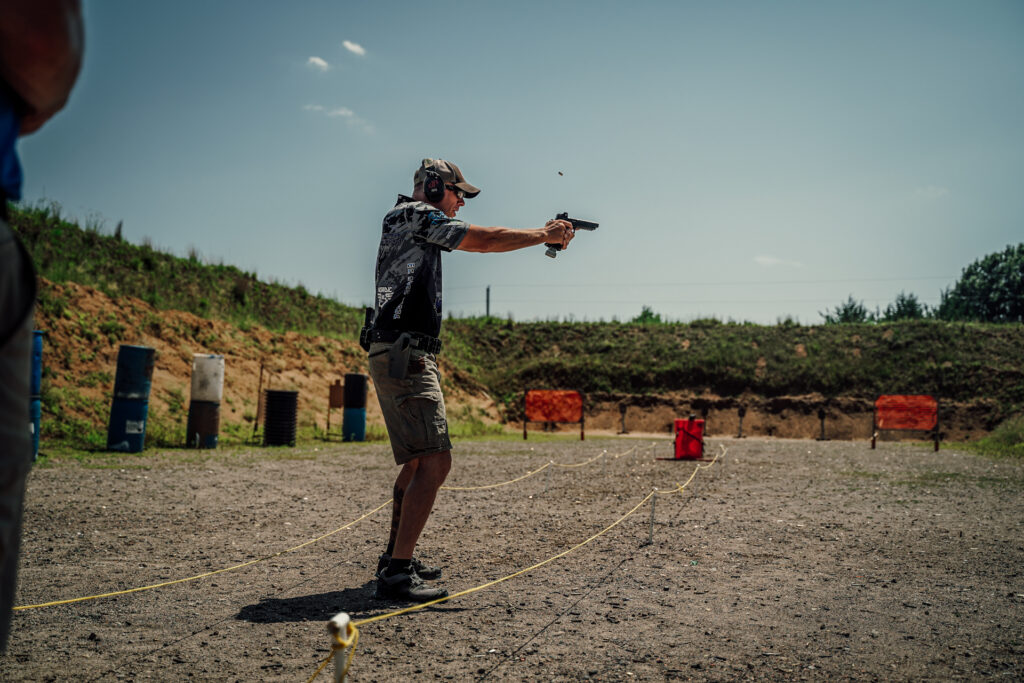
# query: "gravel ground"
783,560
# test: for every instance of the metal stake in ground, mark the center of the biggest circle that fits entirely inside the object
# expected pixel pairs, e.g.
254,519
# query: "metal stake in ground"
654,499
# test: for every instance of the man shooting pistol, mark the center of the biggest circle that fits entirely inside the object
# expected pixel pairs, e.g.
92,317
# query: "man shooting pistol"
576,223
401,337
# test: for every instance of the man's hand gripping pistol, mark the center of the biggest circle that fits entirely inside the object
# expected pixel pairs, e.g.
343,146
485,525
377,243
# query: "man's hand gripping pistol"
577,224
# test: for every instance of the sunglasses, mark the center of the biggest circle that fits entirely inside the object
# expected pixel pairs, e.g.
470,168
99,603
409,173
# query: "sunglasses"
461,194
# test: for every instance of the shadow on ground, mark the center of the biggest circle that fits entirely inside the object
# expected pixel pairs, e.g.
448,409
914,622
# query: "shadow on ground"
359,603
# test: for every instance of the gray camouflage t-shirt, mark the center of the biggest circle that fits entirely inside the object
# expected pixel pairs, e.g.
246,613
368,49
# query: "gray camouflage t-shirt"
413,235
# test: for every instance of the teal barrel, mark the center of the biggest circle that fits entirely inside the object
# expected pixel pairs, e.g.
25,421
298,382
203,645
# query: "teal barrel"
203,427
353,418
130,408
36,383
280,417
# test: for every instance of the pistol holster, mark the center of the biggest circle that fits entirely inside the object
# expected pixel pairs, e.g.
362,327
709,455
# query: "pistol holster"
364,334
398,357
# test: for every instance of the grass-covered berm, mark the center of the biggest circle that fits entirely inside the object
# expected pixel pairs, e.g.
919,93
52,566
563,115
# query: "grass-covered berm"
100,291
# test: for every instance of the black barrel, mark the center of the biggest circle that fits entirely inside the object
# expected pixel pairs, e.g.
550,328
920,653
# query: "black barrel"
280,417
203,424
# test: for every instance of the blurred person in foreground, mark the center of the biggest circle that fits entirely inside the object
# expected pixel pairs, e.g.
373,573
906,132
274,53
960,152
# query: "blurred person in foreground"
403,342
40,57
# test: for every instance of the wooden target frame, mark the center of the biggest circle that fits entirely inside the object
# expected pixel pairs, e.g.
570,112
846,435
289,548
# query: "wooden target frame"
899,412
553,405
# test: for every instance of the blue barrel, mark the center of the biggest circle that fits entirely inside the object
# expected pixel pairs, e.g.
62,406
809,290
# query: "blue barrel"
36,383
127,430
353,418
37,362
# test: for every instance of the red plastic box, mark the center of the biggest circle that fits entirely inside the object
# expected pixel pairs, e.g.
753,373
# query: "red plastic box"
689,439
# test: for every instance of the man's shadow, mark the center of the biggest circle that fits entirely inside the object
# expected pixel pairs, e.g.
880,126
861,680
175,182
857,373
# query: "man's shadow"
359,603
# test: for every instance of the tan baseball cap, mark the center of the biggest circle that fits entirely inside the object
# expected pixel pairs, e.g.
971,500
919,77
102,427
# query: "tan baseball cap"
449,173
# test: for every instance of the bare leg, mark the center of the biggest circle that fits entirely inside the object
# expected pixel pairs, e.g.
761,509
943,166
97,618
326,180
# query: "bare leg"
401,484
418,501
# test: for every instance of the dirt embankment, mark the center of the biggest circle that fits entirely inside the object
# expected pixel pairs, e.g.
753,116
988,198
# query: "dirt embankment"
798,417
84,333
85,328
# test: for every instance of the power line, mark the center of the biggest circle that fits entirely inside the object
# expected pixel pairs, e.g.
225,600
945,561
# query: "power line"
712,283
499,301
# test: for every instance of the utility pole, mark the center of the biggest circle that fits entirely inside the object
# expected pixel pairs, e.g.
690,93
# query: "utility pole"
488,301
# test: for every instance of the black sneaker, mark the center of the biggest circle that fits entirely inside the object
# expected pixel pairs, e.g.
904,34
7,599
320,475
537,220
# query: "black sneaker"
406,587
425,571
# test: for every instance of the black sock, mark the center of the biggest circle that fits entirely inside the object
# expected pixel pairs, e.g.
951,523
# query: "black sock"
397,566
391,549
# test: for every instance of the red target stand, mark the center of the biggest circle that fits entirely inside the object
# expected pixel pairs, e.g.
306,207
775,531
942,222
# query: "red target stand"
689,439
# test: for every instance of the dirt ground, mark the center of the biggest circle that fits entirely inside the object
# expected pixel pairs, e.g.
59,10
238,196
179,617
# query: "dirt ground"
786,559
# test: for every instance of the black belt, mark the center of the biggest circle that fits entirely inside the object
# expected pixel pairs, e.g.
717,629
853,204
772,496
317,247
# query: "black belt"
420,341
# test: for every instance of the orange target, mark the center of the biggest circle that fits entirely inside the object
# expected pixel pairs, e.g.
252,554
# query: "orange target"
553,405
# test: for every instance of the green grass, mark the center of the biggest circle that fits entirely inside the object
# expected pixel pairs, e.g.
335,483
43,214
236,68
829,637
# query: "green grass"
1005,441
954,361
63,251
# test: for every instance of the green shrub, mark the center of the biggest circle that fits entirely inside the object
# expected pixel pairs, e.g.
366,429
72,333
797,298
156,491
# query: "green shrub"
1006,440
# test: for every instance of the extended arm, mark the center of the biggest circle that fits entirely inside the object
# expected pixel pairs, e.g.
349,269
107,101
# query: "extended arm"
495,239
40,54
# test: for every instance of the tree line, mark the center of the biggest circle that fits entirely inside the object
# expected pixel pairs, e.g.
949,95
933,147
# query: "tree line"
989,290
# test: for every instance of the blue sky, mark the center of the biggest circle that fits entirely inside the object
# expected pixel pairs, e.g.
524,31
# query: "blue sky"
746,160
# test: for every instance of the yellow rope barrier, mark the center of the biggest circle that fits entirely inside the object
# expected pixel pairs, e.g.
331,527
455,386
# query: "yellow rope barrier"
207,574
415,608
579,464
69,601
494,486
679,487
628,452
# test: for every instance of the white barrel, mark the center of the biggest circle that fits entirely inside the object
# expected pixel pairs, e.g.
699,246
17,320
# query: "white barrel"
207,377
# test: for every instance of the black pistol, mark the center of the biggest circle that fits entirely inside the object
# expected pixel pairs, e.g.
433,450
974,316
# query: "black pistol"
577,224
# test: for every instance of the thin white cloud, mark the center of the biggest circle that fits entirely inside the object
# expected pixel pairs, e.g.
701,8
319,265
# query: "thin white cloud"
354,48
768,261
343,113
931,192
318,64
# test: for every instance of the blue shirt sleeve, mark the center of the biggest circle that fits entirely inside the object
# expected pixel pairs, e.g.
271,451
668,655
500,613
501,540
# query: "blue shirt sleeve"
10,126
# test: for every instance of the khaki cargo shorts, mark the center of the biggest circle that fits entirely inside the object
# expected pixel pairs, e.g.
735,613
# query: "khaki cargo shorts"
413,407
